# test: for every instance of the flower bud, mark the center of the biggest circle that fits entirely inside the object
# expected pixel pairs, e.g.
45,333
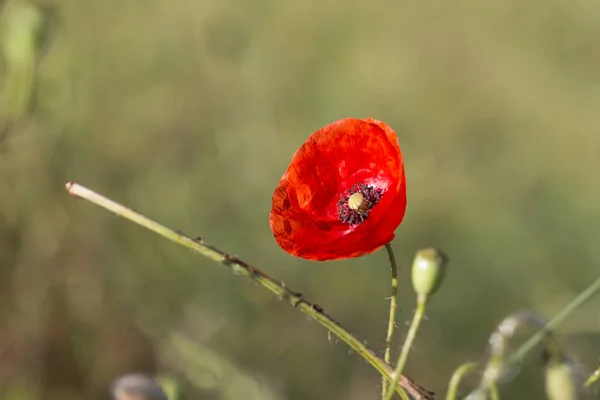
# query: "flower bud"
428,271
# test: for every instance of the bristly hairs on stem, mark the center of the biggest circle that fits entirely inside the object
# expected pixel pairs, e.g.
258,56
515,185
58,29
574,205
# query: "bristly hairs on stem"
392,319
412,334
279,289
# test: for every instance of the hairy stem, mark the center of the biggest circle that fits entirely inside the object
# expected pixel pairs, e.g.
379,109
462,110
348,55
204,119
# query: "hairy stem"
410,338
392,321
279,289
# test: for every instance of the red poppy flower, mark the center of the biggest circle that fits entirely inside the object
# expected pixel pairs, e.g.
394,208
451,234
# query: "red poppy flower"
344,193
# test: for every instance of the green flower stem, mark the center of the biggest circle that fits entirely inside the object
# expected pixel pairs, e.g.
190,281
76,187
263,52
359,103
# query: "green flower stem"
457,377
540,336
412,333
279,289
593,378
392,321
579,301
494,394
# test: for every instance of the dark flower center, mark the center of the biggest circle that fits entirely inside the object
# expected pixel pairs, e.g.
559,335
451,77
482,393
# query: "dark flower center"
356,203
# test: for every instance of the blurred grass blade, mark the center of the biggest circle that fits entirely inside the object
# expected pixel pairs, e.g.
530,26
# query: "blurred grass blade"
170,386
20,27
210,371
593,378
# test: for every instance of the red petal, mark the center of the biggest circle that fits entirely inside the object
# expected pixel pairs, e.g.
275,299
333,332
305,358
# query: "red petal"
304,217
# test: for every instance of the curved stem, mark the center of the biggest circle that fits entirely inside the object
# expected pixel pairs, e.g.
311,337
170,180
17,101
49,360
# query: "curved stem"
543,333
457,377
279,289
576,303
410,338
392,320
593,378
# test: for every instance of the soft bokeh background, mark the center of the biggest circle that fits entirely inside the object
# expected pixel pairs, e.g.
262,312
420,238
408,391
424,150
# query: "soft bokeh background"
190,111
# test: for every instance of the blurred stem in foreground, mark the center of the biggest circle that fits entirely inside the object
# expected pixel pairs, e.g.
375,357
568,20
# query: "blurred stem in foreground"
457,377
494,393
392,320
499,363
428,272
279,289
593,378
573,306
20,27
170,386
204,368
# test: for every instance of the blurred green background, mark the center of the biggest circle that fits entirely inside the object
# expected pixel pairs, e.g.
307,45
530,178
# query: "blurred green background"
189,111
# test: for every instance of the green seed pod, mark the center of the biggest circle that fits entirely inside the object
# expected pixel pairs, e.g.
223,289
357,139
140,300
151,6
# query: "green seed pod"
428,271
564,379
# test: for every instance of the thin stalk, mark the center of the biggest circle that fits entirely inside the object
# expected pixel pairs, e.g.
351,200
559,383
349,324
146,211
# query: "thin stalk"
593,378
494,393
410,338
392,320
576,303
543,333
279,289
457,377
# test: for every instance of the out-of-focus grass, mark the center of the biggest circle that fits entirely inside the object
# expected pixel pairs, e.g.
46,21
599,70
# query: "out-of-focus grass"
190,111
20,27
